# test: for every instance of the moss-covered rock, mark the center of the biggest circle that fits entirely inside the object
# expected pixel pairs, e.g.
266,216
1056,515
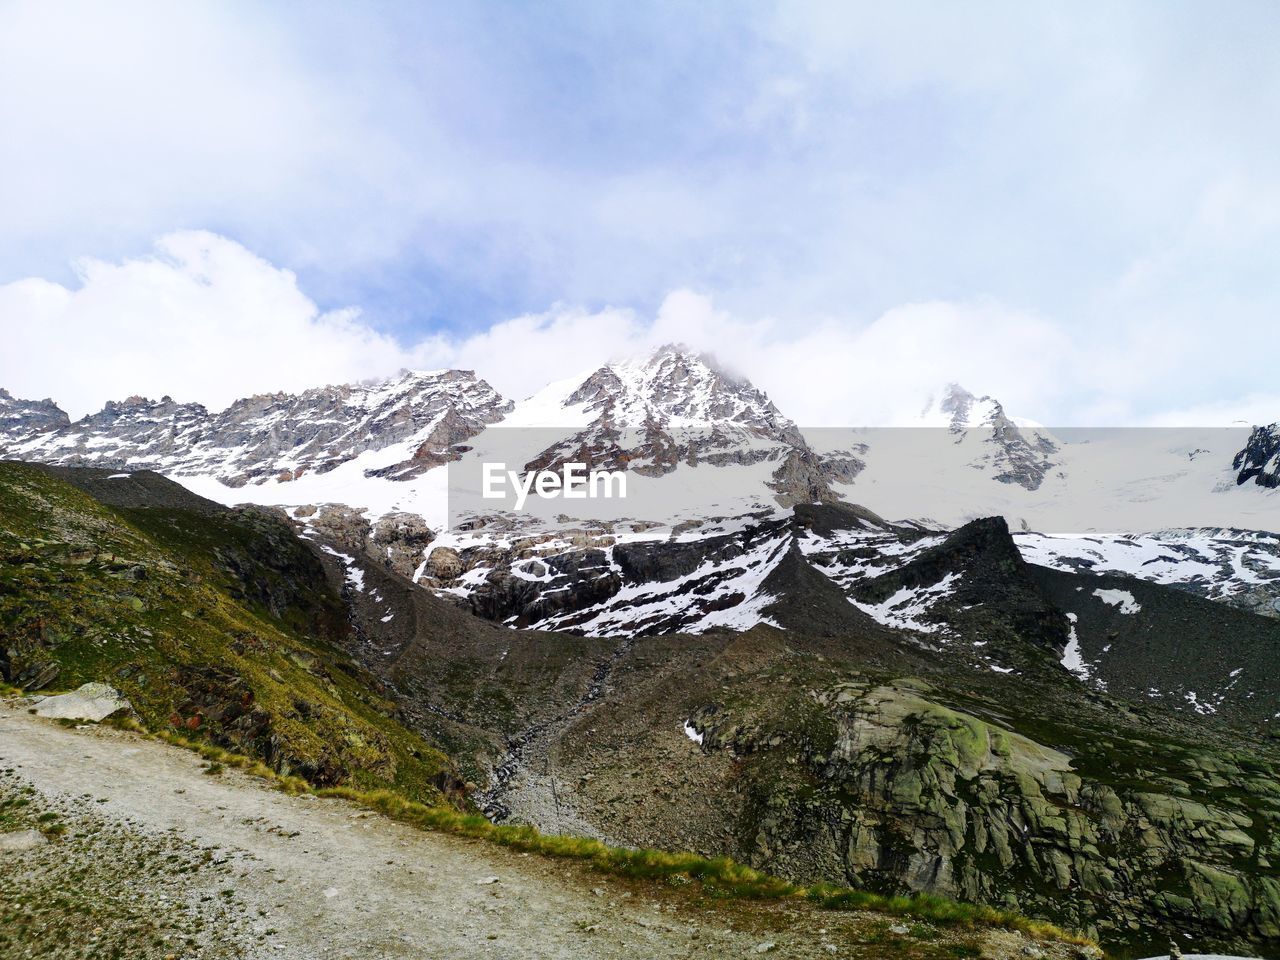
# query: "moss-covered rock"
911,793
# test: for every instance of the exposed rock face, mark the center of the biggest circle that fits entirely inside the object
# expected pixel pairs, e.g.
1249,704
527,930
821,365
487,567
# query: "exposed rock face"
20,420
1259,461
443,563
395,541
910,793
987,572
1013,453
270,436
591,581
399,541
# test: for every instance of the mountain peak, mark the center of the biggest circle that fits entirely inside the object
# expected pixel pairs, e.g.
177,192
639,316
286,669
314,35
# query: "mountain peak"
677,388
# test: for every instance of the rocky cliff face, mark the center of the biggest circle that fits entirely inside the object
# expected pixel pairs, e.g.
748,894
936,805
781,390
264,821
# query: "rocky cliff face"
20,420
1259,461
898,790
422,416
1012,452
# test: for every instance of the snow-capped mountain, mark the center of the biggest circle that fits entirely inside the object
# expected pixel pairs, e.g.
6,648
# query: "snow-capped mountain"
417,417
1012,450
694,439
703,449
1238,567
675,408
978,595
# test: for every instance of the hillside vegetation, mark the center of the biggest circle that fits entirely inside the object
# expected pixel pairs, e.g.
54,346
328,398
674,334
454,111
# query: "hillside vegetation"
216,623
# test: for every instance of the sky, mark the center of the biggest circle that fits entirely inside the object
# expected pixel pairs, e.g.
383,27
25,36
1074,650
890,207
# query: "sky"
1073,207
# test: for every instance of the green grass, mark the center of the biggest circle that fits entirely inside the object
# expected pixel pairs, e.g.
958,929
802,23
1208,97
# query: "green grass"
720,877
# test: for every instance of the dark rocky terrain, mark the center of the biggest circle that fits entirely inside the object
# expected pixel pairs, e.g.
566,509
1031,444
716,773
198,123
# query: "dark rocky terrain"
1259,461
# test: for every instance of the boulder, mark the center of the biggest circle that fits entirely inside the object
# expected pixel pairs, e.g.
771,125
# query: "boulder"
92,702
445,563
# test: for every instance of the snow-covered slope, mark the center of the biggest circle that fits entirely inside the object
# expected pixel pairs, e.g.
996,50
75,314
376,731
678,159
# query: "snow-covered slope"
1240,567
1072,480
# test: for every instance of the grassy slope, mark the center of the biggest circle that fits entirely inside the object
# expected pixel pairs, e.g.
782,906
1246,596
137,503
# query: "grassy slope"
215,623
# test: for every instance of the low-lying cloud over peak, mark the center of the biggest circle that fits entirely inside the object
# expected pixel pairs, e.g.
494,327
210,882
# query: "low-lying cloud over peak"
203,319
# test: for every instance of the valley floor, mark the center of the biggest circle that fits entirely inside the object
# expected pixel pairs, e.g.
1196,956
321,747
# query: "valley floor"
159,857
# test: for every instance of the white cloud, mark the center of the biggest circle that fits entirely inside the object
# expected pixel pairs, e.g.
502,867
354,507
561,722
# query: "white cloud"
202,319
833,372
819,162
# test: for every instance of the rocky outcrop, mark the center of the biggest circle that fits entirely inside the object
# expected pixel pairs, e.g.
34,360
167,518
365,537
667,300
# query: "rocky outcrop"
991,594
596,581
904,793
677,408
1021,454
399,541
1259,461
395,541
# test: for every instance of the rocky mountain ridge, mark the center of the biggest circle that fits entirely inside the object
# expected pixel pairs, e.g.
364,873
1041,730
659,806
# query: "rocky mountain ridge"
276,436
678,408
20,420
1015,451
678,422
653,415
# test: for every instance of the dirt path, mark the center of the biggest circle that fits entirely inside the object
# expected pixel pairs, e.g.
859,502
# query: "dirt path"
318,878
